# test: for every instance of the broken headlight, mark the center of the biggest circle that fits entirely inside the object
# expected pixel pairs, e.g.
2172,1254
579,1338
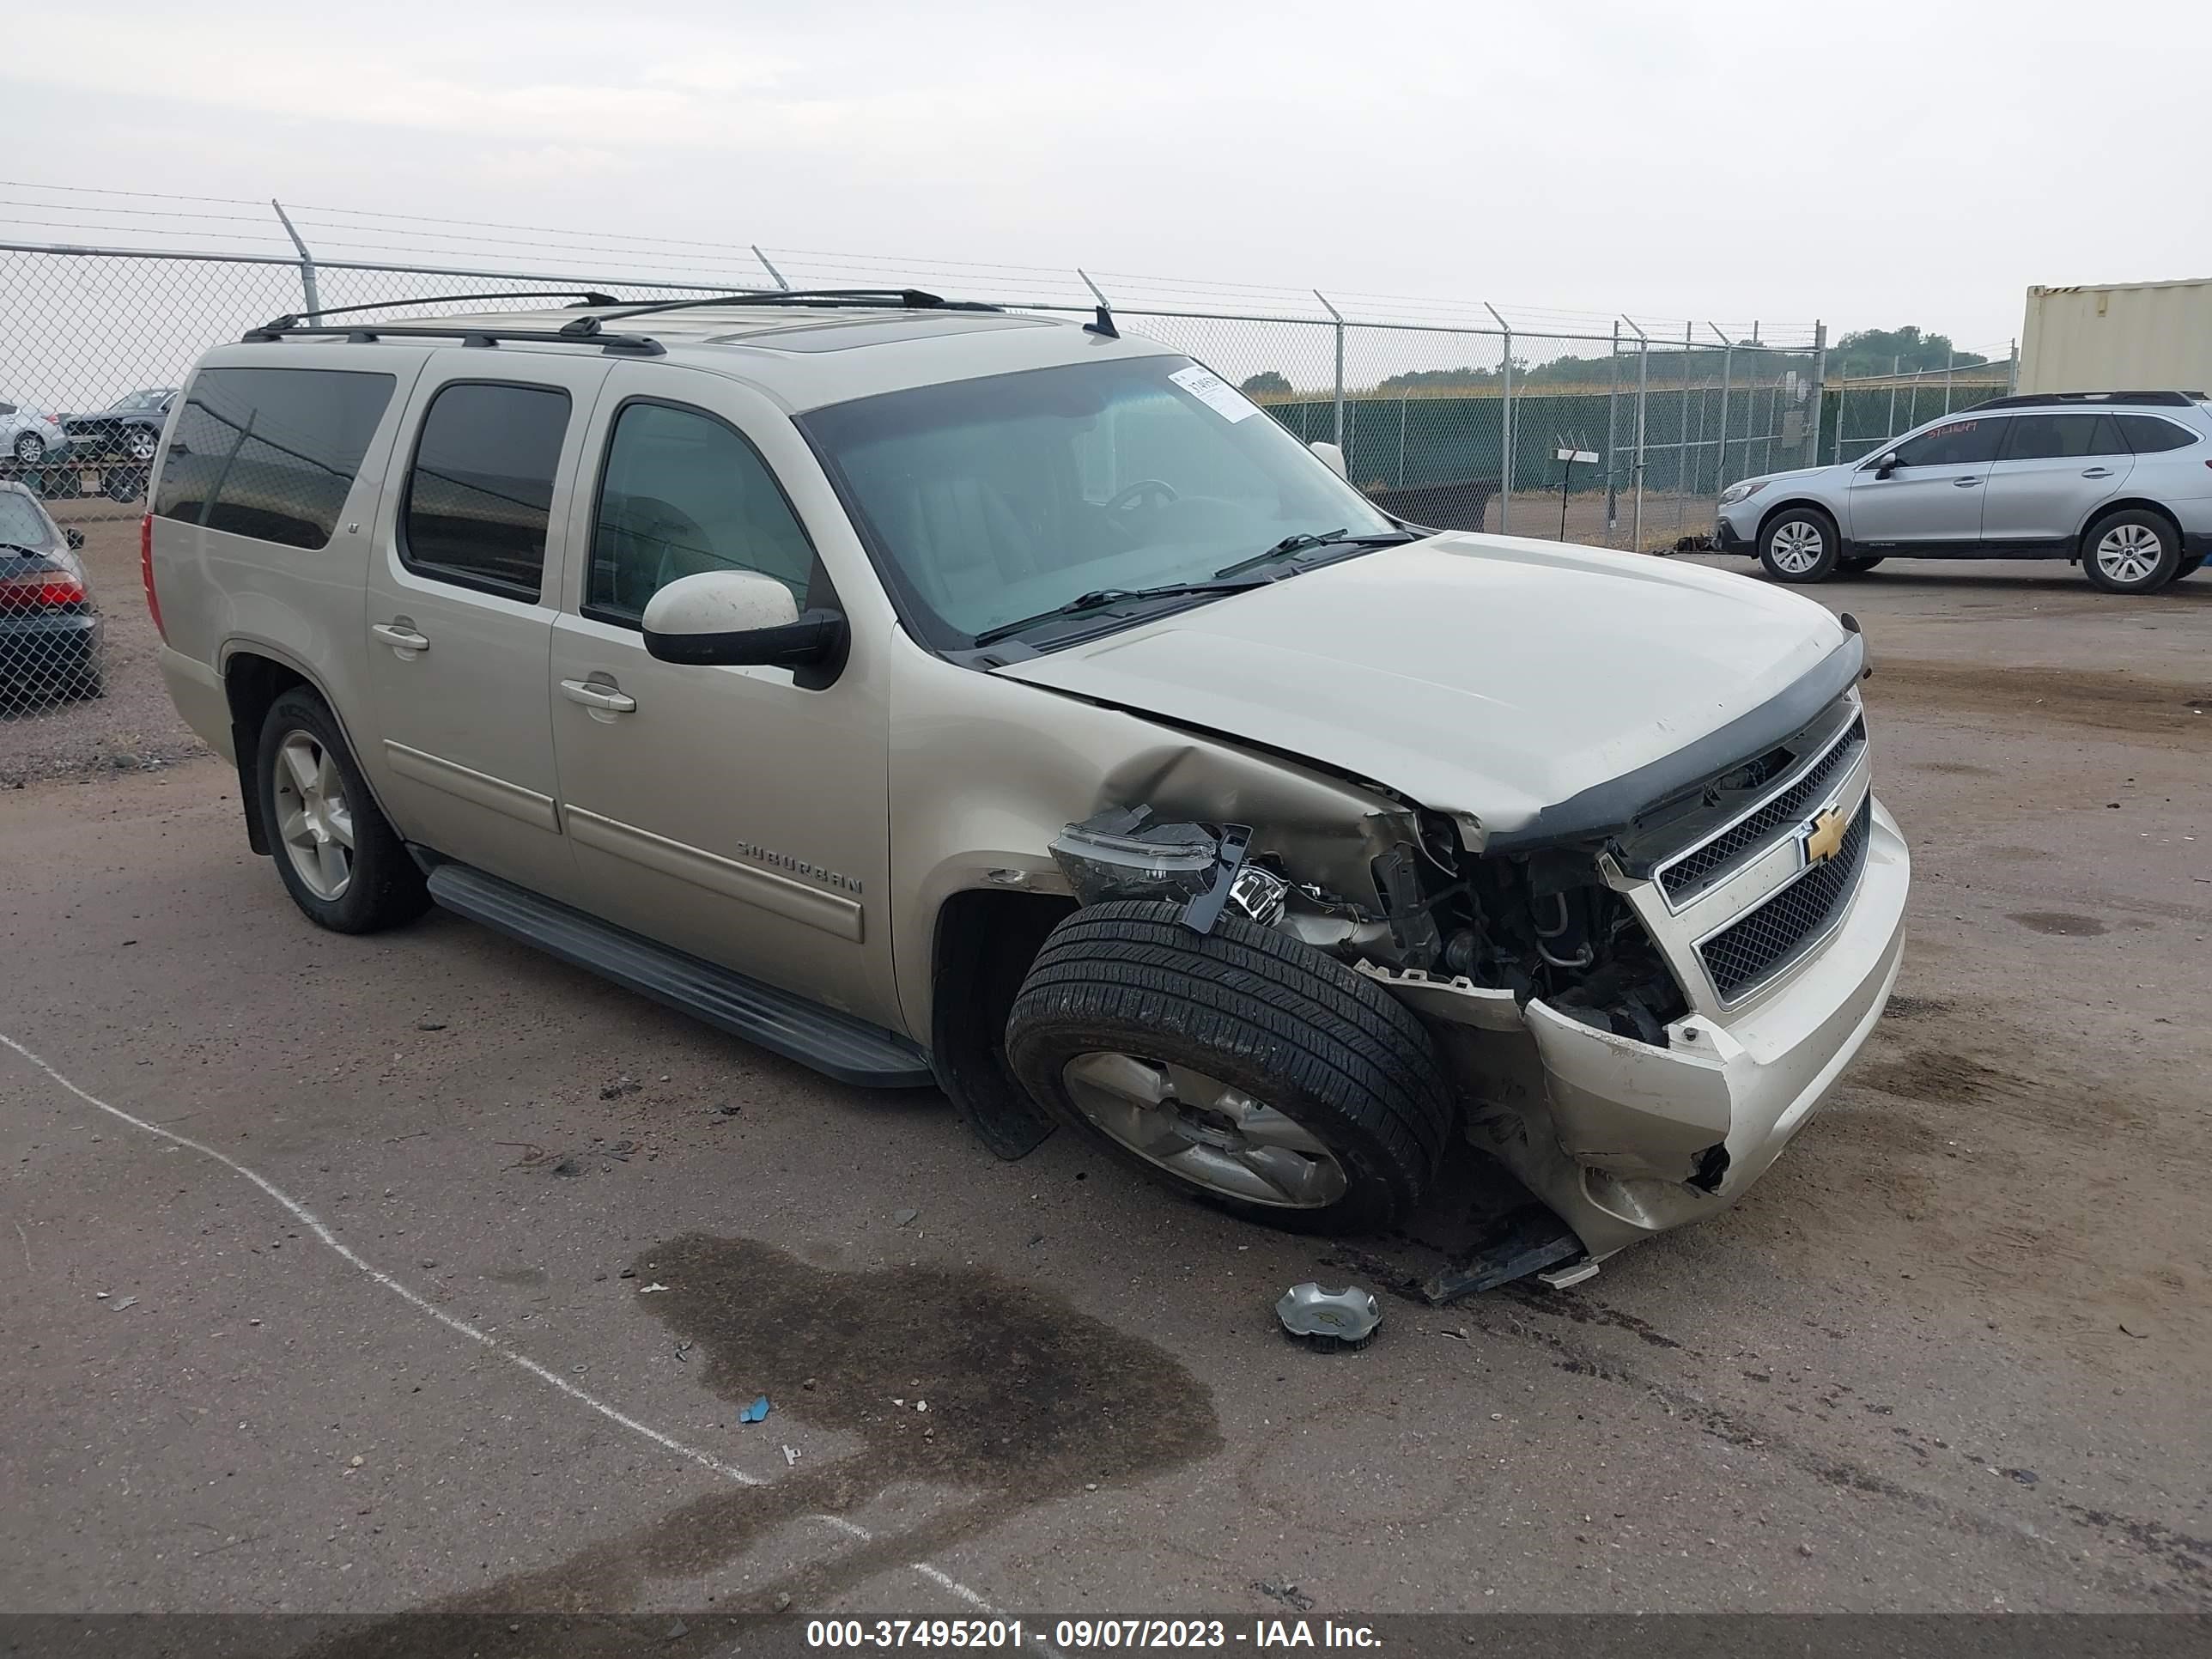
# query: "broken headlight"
1123,853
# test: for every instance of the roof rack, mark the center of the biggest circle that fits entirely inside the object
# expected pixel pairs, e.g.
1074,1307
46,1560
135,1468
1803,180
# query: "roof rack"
902,299
486,334
2050,399
576,296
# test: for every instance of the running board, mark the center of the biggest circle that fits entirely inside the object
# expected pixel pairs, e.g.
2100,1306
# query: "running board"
837,1045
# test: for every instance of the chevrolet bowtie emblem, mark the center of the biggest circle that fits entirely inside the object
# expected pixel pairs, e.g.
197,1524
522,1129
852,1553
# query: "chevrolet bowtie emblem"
1824,837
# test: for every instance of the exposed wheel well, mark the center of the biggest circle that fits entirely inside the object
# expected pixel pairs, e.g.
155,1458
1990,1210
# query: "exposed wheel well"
985,941
2129,503
251,683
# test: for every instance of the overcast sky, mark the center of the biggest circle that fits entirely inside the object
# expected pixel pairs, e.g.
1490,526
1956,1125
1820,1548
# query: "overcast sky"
1871,164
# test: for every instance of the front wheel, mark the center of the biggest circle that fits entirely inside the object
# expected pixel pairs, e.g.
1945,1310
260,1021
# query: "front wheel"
30,448
2131,551
344,865
140,443
1799,544
1241,1066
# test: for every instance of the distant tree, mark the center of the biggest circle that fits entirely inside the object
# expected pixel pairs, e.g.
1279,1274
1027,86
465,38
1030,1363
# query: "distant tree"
1438,380
1267,383
1876,350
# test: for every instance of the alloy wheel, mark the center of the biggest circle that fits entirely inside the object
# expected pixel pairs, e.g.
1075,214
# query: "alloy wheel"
1208,1132
314,820
1797,545
2130,553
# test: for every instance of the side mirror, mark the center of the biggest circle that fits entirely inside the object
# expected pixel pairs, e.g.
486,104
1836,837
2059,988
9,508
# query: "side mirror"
738,618
1886,464
74,538
1332,457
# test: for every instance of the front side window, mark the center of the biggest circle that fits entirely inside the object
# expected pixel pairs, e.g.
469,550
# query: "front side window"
1955,443
270,452
2148,435
682,494
480,494
2062,437
995,500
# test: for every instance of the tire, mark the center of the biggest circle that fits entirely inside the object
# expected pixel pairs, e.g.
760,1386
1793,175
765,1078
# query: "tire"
2132,550
124,483
1799,544
140,443
379,885
30,448
1259,1074
2189,567
1858,567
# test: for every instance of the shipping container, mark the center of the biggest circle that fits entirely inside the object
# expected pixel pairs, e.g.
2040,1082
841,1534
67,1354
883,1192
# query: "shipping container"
2119,337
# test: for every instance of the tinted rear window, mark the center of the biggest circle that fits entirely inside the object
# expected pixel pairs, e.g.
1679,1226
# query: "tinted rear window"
21,522
270,452
481,493
2063,437
2148,435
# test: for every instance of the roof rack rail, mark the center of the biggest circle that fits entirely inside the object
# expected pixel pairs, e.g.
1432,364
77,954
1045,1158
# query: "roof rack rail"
2050,399
902,299
488,334
576,296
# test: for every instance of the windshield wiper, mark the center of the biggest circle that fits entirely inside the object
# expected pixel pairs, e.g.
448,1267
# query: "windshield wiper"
1306,540
1099,597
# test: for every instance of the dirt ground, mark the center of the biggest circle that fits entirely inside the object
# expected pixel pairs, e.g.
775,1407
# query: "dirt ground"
424,1271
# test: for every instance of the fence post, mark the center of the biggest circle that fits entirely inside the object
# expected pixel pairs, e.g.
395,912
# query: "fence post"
307,288
1728,368
1338,317
1505,438
1947,357
1895,364
1403,393
773,272
1698,470
2012,369
1681,429
1612,434
1643,392
1819,392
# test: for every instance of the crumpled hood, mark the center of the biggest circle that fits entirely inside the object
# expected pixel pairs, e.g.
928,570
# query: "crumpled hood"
1487,676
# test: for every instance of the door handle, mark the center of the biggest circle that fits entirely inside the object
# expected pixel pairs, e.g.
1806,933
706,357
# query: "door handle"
399,636
2096,472
593,694
1964,484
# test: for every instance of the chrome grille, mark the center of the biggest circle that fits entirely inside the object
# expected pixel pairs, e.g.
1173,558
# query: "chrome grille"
1767,939
1695,871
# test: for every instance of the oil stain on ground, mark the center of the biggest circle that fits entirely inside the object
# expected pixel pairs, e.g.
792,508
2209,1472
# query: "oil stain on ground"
1029,1400
2061,924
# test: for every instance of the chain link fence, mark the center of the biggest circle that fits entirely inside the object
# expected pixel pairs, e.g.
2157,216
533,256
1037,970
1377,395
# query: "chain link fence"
1866,410
1454,424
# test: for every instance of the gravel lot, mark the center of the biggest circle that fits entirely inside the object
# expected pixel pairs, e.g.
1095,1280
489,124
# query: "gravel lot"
382,1331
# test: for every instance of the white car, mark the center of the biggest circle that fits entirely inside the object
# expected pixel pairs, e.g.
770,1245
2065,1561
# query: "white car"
30,436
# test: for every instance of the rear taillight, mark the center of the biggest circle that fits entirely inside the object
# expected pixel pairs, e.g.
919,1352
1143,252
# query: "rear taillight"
146,574
47,590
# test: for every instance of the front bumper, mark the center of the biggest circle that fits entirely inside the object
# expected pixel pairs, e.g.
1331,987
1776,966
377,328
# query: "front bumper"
1583,1117
1736,529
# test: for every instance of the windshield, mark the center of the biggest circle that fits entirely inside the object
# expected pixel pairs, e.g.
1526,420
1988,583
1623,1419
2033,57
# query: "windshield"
136,400
993,500
20,521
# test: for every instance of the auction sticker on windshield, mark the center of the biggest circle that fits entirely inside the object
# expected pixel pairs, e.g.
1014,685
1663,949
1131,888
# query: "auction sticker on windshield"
1216,393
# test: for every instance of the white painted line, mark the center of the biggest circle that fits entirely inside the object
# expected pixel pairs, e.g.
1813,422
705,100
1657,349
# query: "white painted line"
307,1218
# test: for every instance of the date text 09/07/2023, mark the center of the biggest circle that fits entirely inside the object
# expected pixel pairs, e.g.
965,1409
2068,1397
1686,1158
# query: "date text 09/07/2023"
1087,1635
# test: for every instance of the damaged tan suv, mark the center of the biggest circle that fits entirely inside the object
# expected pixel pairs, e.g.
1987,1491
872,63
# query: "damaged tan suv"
937,695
